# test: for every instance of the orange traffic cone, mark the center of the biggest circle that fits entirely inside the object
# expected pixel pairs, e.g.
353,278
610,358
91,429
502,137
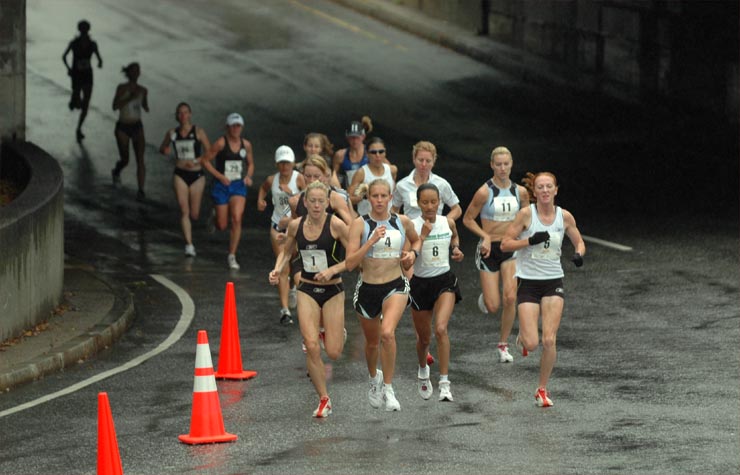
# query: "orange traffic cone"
109,460
206,422
230,352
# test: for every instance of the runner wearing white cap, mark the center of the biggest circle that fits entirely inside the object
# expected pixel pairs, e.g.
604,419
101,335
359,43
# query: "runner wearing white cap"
281,186
232,169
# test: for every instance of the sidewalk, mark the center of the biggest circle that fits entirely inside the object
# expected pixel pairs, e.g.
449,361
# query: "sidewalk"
92,314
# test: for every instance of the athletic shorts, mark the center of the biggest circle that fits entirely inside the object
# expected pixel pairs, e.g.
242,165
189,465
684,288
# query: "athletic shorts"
426,290
221,193
320,293
369,298
131,129
81,77
189,176
492,263
532,291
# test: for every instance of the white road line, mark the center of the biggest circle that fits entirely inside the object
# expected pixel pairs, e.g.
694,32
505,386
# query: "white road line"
613,245
186,318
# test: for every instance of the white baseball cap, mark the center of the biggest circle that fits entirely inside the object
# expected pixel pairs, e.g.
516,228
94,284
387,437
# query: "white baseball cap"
234,118
284,154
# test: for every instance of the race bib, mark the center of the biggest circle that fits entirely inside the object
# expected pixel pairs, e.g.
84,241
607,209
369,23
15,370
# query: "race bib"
389,246
185,149
314,260
434,254
549,249
505,208
233,169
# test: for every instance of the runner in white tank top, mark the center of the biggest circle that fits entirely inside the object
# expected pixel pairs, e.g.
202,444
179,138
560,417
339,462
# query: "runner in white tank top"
377,168
536,234
281,186
434,288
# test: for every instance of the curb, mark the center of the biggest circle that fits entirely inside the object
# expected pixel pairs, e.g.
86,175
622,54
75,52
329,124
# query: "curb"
98,337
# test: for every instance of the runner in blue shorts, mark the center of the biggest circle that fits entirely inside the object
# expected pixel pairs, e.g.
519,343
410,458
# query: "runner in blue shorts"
232,170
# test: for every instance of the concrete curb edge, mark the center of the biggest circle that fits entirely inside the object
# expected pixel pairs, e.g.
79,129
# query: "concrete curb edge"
97,338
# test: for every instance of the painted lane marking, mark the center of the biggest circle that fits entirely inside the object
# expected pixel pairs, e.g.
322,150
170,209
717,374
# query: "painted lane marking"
612,245
347,25
186,318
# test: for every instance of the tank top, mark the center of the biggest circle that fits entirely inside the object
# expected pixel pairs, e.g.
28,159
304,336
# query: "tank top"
434,258
188,147
232,164
130,112
320,254
363,207
280,198
391,245
350,168
542,262
502,203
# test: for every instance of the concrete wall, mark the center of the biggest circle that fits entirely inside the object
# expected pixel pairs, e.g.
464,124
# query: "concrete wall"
12,69
31,239
681,51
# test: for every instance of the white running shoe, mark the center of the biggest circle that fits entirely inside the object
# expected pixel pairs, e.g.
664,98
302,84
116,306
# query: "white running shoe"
482,304
324,408
375,393
389,397
233,265
322,338
444,391
292,299
425,388
503,353
190,250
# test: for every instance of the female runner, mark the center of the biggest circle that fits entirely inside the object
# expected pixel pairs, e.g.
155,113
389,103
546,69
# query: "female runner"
129,99
497,202
537,235
434,288
319,237
233,171
376,168
189,143
382,243
424,157
281,186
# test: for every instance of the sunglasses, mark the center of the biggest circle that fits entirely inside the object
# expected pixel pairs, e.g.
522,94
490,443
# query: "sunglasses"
376,152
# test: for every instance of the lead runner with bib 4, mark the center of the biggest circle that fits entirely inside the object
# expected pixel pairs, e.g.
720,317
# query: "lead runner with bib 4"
381,243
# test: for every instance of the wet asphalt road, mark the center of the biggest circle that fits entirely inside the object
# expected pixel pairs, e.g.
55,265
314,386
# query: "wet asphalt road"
647,373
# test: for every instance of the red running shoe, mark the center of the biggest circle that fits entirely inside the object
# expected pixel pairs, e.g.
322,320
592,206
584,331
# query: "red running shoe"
324,408
542,398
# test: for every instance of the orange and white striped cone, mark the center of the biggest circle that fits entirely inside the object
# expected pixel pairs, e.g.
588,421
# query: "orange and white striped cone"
206,422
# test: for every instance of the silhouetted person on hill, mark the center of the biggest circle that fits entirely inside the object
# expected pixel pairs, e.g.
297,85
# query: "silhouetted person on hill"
82,48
